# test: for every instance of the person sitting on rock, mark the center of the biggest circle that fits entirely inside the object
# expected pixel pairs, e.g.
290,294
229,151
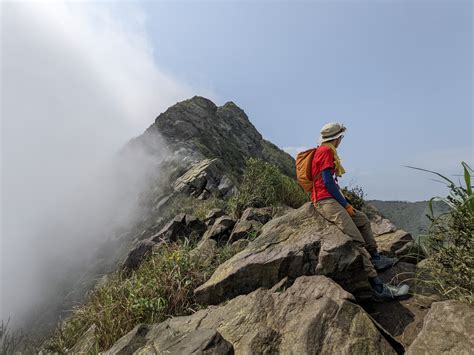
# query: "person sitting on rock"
333,206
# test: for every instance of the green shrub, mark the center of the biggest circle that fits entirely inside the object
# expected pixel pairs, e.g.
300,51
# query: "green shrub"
160,288
264,185
449,243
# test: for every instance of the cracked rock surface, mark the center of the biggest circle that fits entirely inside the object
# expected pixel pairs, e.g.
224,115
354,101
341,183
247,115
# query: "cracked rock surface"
313,316
296,244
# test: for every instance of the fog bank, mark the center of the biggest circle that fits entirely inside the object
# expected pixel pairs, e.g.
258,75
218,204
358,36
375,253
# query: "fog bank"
76,84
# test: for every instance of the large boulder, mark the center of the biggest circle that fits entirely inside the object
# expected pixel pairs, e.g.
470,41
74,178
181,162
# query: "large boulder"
313,316
298,243
448,328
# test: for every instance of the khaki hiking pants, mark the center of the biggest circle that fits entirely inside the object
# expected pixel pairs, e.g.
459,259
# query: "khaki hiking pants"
357,227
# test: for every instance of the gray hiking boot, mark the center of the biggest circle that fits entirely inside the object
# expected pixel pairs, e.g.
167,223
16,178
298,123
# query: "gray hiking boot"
391,292
382,262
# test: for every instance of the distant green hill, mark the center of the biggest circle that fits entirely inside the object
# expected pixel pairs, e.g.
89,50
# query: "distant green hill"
410,216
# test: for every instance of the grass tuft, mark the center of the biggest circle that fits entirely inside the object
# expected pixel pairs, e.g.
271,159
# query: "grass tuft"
263,185
162,287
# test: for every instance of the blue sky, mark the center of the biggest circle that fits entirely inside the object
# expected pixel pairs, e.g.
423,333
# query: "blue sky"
397,74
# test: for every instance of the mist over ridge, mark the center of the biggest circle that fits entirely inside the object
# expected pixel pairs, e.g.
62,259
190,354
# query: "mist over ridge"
67,110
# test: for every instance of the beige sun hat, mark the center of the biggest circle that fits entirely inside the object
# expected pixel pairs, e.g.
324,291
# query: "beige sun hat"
331,131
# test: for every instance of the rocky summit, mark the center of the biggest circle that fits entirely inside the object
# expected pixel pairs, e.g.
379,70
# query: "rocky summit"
287,280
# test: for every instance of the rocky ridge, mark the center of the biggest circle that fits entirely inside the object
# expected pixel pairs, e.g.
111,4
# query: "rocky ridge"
296,286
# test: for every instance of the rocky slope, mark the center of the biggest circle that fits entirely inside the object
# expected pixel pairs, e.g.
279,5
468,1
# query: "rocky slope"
297,285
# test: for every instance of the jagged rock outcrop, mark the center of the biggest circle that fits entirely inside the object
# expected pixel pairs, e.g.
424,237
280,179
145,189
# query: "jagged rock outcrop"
296,244
448,328
204,179
221,229
313,316
381,225
250,223
183,225
198,129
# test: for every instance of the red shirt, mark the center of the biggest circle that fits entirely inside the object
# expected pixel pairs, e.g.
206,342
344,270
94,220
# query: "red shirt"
323,159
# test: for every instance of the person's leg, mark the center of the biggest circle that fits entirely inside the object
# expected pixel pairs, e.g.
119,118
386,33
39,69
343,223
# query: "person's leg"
363,224
331,210
380,262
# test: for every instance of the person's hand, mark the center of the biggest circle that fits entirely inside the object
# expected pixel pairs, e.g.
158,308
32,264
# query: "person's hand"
350,210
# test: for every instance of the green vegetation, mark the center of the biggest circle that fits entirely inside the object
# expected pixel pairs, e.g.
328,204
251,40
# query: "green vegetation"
449,243
356,197
160,288
264,185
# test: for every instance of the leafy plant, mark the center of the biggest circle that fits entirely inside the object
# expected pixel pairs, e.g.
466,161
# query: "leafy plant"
459,196
449,243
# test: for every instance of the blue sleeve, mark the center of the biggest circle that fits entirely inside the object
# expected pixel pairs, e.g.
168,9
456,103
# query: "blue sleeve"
332,187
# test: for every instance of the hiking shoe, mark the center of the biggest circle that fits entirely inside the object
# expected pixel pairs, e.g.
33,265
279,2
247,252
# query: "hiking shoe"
383,262
391,292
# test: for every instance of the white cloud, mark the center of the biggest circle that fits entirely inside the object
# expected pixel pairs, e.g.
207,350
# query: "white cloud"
77,81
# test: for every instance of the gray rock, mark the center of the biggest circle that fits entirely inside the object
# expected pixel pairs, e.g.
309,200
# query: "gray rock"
299,243
182,225
212,215
201,178
221,229
204,252
245,229
130,342
261,215
225,186
313,316
448,328
240,245
172,230
381,225
138,254
389,243
251,222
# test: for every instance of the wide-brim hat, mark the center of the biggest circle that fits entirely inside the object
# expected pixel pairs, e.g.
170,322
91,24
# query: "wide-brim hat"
331,131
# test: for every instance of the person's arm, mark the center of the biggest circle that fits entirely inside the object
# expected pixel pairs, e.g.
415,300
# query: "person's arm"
332,187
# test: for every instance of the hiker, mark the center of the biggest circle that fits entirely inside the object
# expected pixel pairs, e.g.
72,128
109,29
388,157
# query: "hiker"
332,205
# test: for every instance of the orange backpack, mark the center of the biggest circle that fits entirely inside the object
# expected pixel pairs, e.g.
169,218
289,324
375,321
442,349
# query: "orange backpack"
304,162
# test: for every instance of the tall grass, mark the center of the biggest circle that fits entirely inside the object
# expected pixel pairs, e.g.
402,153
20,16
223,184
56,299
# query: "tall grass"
162,287
449,243
264,185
